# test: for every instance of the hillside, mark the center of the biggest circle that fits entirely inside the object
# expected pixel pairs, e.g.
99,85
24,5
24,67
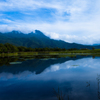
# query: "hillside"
37,40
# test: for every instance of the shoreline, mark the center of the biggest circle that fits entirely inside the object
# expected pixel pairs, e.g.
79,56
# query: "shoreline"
17,54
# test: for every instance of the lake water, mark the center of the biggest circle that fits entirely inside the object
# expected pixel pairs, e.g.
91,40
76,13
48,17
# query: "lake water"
76,78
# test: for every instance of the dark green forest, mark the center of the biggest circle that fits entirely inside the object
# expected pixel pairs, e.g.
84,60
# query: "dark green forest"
12,50
9,48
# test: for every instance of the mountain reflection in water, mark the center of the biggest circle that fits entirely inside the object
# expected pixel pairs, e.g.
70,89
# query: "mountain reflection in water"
35,79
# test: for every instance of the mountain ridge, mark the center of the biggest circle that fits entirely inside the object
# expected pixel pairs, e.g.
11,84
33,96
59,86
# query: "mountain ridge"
37,39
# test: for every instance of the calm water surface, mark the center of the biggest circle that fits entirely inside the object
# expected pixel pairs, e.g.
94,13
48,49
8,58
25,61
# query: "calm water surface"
39,79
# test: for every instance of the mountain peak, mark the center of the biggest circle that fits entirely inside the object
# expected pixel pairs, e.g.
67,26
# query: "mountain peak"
16,32
40,34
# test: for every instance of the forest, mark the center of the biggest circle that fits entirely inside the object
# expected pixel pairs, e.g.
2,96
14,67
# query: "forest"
9,48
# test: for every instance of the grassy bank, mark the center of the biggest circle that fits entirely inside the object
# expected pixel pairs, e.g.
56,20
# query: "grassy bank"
66,53
18,54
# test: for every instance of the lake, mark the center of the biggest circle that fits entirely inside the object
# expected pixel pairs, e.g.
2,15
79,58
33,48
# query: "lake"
73,78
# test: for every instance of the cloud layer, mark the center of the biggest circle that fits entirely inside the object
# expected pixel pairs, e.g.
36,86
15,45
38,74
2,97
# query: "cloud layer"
70,20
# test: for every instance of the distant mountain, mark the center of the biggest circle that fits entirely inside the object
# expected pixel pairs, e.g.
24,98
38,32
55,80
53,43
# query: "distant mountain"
37,40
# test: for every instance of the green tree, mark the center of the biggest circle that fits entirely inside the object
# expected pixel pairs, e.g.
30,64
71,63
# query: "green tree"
3,49
22,49
93,48
11,48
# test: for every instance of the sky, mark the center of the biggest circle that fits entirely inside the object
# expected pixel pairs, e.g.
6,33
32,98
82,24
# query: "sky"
75,21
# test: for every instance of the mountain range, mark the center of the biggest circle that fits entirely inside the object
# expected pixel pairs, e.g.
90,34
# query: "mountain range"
37,40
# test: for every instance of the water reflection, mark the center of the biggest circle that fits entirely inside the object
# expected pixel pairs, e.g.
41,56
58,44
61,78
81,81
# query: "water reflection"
88,84
59,94
34,65
98,81
35,79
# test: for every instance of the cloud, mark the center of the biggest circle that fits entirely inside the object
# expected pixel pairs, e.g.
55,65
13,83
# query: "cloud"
6,20
24,5
72,21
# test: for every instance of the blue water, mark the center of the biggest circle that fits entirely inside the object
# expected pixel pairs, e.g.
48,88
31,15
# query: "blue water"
39,79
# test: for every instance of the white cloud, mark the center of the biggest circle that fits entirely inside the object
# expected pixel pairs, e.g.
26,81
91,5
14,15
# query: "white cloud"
6,20
24,5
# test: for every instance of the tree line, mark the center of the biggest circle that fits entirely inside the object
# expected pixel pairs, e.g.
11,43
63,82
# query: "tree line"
9,48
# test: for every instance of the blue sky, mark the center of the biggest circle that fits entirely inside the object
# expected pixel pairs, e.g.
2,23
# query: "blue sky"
69,20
